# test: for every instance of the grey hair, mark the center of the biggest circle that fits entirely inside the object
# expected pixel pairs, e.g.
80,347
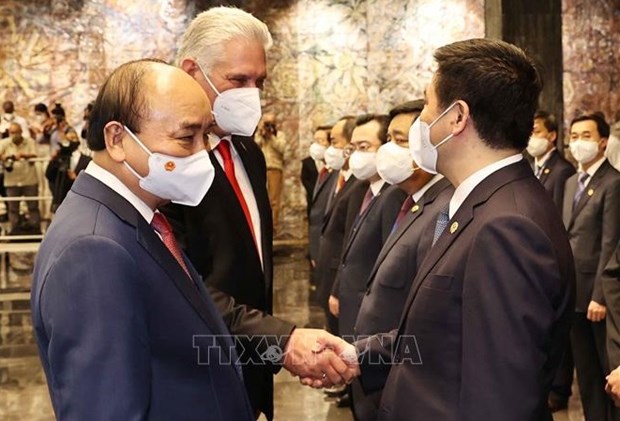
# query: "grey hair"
206,36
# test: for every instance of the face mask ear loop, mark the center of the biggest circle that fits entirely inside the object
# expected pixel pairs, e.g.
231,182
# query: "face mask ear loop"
134,137
207,79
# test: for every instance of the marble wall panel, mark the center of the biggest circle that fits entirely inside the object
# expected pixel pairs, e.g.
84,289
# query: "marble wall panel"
591,57
330,57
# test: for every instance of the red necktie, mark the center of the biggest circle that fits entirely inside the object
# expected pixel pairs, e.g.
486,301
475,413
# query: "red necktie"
229,168
367,199
323,174
407,205
161,225
339,183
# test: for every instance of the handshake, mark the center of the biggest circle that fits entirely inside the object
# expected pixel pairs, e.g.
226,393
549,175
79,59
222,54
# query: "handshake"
320,359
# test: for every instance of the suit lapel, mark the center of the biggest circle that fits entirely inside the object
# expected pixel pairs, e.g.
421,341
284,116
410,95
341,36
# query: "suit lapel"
359,220
569,194
320,184
463,217
548,167
590,190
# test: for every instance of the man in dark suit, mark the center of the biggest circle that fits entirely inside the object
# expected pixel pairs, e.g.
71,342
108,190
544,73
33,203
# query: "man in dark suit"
552,170
228,236
488,313
372,225
410,239
125,328
611,292
314,165
343,204
549,166
591,209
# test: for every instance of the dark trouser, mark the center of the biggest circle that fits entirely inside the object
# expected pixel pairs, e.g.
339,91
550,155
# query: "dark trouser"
365,406
563,381
33,205
588,343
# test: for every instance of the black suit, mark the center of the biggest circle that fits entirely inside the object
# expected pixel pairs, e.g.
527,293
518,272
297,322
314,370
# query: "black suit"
553,176
309,177
221,247
318,206
611,290
338,220
361,249
594,230
390,279
488,314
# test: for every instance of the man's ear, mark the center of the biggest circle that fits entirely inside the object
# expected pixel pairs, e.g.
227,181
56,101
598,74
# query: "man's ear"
113,134
461,119
554,137
190,66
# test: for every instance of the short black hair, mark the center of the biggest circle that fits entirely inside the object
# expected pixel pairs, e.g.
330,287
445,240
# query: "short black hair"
58,110
326,128
383,121
548,119
598,118
121,98
408,107
41,108
348,126
499,83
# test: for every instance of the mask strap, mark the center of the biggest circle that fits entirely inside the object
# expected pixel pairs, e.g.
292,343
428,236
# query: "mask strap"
442,114
134,137
207,78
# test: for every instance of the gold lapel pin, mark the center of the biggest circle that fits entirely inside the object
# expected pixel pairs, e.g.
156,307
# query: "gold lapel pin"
546,171
415,208
454,227
590,192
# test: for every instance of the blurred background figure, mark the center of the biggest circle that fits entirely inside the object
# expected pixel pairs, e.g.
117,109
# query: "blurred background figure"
273,144
9,117
20,179
60,128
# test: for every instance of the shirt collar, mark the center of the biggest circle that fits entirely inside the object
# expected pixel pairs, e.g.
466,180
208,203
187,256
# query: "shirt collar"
594,167
470,183
346,174
376,186
541,161
418,195
110,180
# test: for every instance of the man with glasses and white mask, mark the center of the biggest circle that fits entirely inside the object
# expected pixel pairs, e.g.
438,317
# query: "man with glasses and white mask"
228,236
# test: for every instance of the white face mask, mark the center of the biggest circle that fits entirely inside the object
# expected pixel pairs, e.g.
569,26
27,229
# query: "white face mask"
181,180
236,111
363,164
424,153
394,163
537,146
334,158
612,153
583,151
317,151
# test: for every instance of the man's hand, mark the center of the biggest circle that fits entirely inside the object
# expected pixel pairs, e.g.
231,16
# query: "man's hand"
334,305
319,358
596,312
613,386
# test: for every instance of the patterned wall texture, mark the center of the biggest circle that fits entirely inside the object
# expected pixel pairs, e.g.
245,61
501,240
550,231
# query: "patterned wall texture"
330,57
591,46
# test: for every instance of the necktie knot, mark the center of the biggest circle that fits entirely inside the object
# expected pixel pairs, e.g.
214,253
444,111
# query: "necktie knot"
162,226
224,149
583,177
581,187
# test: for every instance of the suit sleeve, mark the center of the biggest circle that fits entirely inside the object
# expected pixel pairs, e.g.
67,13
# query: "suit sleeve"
611,289
513,292
256,330
375,356
610,234
98,348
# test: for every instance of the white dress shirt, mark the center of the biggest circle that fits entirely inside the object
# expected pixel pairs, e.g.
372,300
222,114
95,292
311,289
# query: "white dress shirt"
376,186
593,168
418,195
470,183
244,184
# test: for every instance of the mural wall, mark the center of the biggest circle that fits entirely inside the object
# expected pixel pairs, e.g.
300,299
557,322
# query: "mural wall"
591,48
330,57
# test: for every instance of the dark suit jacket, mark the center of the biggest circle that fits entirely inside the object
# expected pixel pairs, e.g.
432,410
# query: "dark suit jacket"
123,333
318,206
488,315
594,230
337,223
554,175
309,176
221,247
60,183
611,290
362,247
388,285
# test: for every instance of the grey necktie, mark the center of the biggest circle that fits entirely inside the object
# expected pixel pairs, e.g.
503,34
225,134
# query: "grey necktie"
581,187
442,222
